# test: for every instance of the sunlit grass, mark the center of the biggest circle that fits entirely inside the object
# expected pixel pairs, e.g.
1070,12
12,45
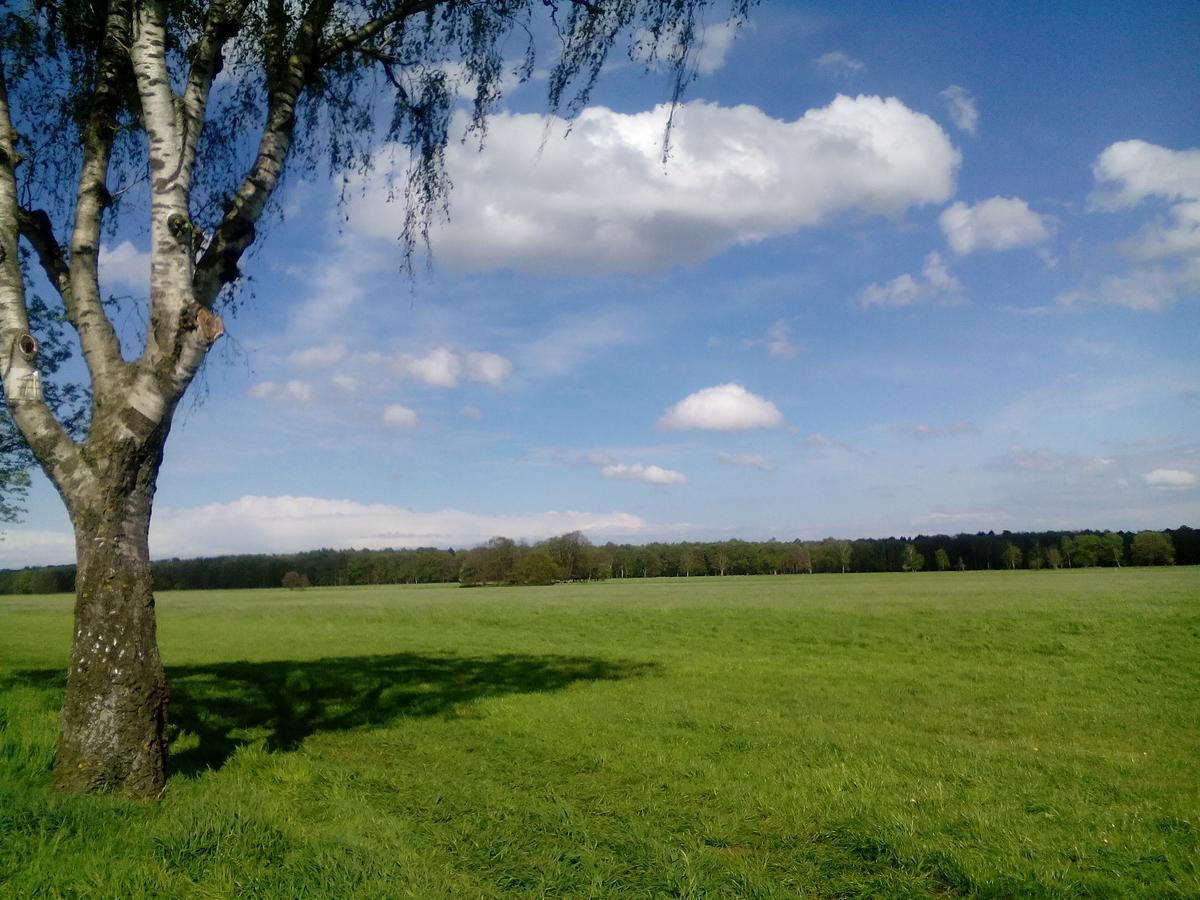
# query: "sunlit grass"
990,734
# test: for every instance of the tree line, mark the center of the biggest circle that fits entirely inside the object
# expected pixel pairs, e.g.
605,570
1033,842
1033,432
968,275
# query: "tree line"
572,557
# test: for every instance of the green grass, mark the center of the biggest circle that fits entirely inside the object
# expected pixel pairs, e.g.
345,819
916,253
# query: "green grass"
983,734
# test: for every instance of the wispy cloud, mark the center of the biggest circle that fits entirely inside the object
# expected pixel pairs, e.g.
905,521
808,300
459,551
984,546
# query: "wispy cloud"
839,65
746,461
962,107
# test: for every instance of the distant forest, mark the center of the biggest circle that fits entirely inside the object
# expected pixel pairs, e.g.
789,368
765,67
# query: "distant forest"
572,557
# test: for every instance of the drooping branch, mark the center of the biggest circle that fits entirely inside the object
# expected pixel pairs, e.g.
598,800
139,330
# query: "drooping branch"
219,264
361,36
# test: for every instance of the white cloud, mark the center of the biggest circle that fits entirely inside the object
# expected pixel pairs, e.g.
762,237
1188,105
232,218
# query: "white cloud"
1164,255
725,407
1129,172
490,368
746,460
397,415
935,285
1000,223
639,472
962,107
779,341
707,53
125,265
837,64
471,412
289,392
288,524
443,367
1172,479
319,357
600,201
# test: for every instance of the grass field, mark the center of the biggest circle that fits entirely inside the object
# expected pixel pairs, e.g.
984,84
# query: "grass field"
989,734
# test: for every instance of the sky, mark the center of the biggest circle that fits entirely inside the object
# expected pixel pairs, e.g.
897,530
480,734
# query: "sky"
904,272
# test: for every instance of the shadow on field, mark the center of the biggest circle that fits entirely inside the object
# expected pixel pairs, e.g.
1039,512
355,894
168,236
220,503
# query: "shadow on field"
228,705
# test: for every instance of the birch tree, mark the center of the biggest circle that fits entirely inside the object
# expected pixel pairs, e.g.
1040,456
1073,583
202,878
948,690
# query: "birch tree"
188,115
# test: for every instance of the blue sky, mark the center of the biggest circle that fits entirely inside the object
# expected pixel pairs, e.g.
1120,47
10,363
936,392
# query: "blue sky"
905,272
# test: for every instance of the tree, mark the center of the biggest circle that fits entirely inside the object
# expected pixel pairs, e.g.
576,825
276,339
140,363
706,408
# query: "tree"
1012,555
1153,548
942,558
913,561
98,99
1113,547
1054,558
537,567
294,581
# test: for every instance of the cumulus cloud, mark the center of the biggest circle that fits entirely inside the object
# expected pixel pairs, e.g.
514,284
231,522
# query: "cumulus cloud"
1129,172
443,367
1171,479
125,265
397,415
746,460
935,284
725,407
962,107
639,472
600,201
1164,255
837,64
292,391
471,412
1000,223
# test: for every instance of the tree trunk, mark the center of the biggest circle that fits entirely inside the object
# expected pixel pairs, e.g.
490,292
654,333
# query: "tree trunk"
114,716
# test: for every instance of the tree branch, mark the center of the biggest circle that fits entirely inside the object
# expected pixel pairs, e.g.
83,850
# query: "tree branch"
44,434
235,233
101,349
357,38
36,228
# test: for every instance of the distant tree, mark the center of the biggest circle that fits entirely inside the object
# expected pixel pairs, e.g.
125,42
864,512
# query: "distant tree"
1067,545
962,566
1054,558
687,561
942,558
721,560
1088,550
537,567
1113,548
844,552
1153,548
1012,555
913,561
294,581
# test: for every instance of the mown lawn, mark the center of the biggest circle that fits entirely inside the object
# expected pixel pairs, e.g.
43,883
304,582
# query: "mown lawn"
984,734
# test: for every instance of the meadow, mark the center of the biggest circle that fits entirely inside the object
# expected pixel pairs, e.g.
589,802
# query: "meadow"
987,734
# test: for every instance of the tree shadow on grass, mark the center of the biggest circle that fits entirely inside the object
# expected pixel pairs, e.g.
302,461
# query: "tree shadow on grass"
282,702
